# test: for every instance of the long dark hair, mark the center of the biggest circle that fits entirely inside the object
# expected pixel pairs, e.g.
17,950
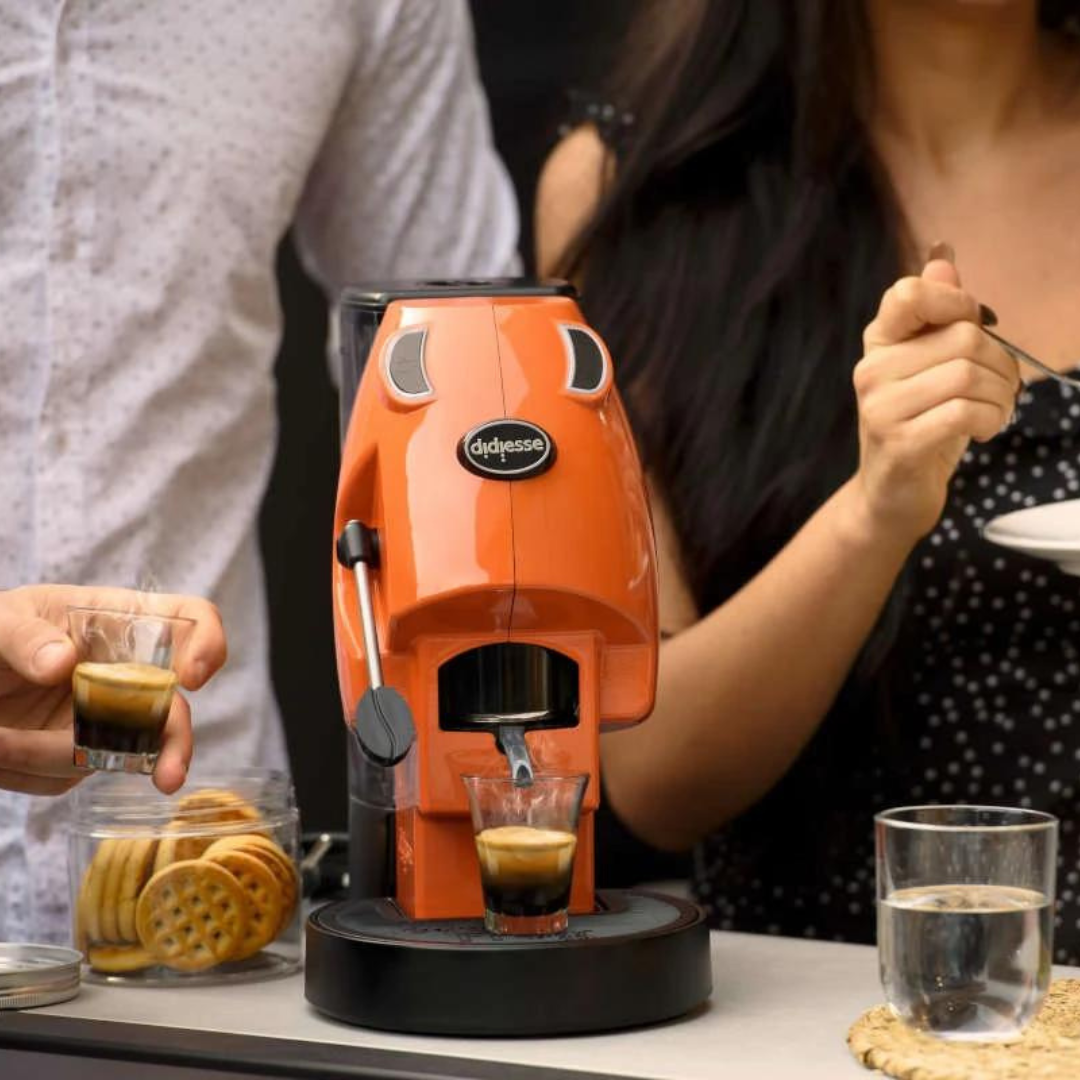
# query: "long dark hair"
741,247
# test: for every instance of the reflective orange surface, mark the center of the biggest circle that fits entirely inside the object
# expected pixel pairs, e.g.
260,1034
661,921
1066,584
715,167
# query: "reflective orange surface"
564,559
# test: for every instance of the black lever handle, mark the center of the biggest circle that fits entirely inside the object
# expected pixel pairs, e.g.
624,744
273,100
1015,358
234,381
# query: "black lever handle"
358,544
383,724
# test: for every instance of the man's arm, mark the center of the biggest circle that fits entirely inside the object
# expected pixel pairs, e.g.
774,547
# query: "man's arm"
407,183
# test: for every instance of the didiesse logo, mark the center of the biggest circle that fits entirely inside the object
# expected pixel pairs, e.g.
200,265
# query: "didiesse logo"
507,450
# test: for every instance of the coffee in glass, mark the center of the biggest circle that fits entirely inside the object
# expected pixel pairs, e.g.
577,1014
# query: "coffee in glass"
525,871
123,686
121,707
526,839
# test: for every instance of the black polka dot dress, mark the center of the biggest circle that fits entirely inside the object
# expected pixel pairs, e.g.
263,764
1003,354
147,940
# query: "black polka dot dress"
983,706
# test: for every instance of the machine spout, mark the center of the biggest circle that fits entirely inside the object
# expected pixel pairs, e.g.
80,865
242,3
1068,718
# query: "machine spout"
511,740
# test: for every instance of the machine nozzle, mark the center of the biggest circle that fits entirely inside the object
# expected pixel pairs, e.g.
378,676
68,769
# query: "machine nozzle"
511,740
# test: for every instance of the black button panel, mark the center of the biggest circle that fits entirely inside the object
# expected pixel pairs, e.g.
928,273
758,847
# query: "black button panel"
587,361
406,364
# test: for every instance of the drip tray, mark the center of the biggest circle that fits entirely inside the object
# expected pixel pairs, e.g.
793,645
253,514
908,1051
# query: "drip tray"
639,958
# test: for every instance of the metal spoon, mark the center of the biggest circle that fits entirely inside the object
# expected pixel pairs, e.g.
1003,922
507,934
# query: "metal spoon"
990,319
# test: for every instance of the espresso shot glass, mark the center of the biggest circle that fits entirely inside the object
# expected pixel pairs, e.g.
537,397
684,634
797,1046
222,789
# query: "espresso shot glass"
526,838
123,686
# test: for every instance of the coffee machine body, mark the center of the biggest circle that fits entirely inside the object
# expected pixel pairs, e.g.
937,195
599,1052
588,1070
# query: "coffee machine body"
488,451
495,610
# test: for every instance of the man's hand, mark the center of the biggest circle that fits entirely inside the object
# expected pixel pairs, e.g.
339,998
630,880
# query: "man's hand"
36,661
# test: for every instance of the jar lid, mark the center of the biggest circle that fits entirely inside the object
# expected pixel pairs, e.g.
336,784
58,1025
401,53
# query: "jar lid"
32,975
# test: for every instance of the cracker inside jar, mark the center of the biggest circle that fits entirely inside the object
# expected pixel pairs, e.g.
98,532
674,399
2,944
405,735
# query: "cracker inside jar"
186,903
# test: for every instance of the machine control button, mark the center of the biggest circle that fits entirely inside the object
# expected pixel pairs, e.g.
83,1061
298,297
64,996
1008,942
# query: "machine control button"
405,364
507,450
588,366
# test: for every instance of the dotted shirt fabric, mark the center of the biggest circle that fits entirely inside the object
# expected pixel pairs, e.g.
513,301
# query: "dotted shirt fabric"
985,709
152,156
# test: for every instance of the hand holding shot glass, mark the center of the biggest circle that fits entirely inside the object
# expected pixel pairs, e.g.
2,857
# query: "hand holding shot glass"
39,650
526,838
965,917
122,688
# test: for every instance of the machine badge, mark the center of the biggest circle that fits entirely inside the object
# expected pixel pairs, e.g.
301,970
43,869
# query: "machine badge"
507,450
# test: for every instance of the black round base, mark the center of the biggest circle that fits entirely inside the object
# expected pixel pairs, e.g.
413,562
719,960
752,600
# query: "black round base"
639,958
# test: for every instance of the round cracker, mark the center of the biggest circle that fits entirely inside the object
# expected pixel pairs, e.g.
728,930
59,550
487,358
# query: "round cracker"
217,806
281,866
258,840
177,848
192,915
196,813
265,895
90,895
119,959
165,853
82,931
278,862
137,868
110,897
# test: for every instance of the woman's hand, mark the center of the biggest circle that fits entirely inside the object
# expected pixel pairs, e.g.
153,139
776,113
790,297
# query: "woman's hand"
930,381
37,659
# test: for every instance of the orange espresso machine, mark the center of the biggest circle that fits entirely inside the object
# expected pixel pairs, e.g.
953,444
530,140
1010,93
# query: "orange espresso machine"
494,595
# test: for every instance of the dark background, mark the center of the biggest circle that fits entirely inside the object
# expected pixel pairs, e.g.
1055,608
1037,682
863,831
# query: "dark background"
531,52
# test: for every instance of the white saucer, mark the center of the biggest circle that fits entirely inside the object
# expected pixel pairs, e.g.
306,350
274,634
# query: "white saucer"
1050,531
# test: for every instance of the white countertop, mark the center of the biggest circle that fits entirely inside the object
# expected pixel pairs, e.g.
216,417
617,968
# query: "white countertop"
780,1007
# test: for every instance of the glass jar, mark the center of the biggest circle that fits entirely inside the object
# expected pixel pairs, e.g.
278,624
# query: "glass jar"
197,887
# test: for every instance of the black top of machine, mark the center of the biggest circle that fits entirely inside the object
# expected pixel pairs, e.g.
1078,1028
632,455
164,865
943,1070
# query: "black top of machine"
375,296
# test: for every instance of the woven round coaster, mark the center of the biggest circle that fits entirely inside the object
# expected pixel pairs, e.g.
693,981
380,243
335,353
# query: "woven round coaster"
1048,1050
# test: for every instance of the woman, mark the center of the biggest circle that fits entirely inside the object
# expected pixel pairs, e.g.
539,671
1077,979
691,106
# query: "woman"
840,637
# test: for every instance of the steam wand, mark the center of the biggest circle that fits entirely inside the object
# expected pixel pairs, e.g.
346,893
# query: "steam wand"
383,724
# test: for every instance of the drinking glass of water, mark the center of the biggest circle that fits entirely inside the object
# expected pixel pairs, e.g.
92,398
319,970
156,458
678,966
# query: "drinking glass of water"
965,917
